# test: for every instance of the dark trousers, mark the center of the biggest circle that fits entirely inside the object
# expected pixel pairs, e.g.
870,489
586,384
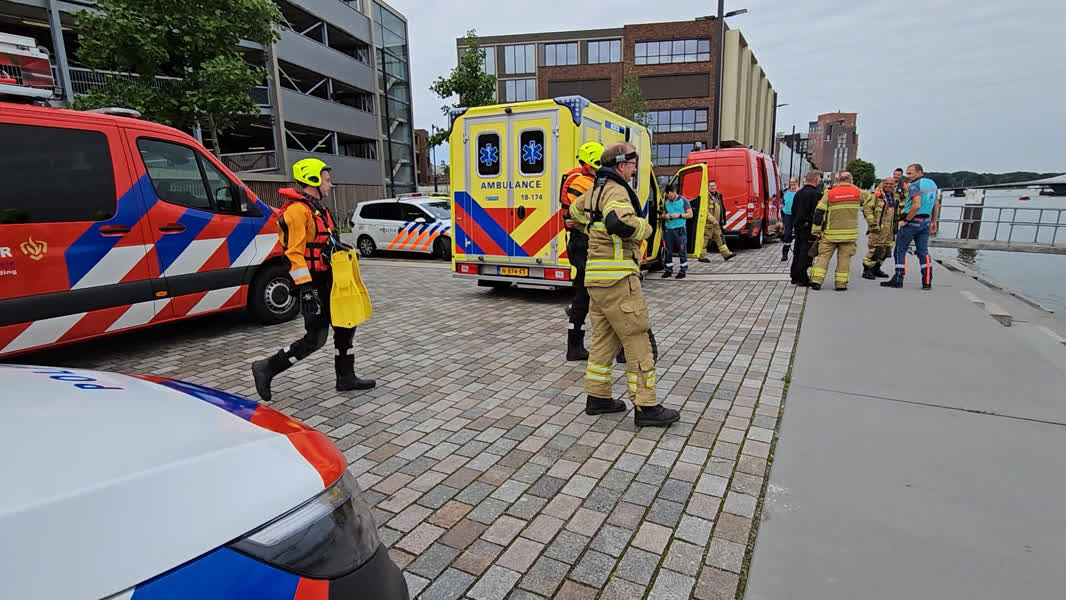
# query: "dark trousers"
317,328
676,240
787,220
577,250
801,261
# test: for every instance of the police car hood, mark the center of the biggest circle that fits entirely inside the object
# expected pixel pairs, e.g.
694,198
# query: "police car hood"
108,480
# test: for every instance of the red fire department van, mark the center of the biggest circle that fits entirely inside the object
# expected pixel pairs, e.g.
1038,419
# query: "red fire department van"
110,223
750,188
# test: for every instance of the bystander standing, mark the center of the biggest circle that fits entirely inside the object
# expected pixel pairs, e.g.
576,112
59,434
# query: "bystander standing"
675,235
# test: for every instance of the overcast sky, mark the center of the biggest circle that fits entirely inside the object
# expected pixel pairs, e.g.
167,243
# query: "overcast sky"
954,84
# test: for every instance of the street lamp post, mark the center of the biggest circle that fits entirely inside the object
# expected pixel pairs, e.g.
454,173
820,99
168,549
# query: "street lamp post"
792,151
716,134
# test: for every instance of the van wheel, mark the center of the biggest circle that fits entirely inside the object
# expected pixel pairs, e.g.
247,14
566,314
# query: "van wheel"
442,248
366,246
756,241
272,295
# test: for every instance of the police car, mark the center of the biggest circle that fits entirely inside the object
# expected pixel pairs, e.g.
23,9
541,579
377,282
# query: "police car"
412,223
141,487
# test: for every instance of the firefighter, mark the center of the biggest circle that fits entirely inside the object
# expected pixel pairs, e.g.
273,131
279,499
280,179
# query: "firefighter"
306,231
880,212
712,229
836,225
576,182
616,305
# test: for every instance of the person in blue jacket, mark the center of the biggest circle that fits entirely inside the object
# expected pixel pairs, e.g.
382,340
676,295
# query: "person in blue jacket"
786,216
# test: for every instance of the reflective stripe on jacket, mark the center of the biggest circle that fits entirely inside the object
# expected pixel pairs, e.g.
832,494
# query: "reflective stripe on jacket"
305,229
836,218
611,256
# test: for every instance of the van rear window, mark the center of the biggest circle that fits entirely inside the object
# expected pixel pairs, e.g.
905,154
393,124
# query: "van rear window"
55,175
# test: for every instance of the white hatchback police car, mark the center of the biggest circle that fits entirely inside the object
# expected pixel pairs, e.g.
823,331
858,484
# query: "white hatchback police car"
143,488
412,223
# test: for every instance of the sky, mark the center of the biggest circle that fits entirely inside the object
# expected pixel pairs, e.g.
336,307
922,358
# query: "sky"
973,85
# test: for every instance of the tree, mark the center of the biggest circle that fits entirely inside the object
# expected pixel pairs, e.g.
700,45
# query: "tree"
195,43
862,172
629,101
468,80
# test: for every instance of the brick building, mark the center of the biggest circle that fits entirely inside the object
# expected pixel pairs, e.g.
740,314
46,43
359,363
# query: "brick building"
674,63
834,140
423,164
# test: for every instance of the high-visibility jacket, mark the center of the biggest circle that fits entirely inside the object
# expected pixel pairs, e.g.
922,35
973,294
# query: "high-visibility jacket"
836,218
877,210
576,182
615,230
305,229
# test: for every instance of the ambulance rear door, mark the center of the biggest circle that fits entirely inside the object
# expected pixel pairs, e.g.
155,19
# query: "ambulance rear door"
533,220
480,210
691,182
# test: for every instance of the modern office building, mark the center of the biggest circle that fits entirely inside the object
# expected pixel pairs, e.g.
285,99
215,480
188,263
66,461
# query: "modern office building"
834,140
675,66
338,89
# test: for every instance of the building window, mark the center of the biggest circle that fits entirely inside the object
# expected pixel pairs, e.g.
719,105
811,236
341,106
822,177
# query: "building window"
556,55
531,144
519,90
606,51
490,60
671,154
488,154
519,59
672,51
667,121
359,148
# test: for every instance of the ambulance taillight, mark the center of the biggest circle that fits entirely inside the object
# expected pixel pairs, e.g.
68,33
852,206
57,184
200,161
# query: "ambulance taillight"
557,274
467,269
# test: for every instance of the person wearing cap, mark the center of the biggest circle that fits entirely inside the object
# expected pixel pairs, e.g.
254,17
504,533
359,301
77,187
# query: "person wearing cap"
308,236
616,305
576,182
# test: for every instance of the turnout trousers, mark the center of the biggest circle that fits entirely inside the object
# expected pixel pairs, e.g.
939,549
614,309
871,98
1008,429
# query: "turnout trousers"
620,320
826,249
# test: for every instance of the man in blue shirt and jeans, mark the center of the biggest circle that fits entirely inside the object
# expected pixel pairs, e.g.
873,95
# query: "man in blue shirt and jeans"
919,220
675,236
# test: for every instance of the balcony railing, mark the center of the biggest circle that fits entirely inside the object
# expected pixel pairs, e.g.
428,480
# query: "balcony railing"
251,162
83,81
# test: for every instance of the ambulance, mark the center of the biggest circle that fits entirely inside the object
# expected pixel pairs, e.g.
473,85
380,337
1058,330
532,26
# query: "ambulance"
508,161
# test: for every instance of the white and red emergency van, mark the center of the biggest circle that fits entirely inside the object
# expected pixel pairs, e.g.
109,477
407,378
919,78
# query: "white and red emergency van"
749,182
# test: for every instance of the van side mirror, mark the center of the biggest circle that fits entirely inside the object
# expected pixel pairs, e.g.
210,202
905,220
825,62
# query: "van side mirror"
420,220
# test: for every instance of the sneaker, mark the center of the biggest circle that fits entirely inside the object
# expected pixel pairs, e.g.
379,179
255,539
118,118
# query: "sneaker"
667,275
680,276
655,416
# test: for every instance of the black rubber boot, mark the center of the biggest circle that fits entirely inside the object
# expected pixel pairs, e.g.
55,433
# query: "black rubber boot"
878,273
575,345
655,416
815,286
784,253
264,371
895,282
927,279
346,378
730,256
704,258
868,272
601,406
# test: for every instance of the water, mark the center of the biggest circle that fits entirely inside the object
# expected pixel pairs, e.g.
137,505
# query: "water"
1041,277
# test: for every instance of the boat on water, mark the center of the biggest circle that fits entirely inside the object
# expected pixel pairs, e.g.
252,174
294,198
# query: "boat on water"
1024,198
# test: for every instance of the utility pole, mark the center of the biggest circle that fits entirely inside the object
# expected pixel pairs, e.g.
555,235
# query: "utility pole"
792,151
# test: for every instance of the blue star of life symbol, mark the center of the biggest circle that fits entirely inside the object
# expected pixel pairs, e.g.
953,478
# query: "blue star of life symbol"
532,152
489,155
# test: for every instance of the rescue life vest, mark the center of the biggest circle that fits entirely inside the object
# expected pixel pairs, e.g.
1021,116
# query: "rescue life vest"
576,182
317,251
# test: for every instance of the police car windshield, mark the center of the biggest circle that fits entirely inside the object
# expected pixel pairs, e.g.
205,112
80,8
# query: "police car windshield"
440,210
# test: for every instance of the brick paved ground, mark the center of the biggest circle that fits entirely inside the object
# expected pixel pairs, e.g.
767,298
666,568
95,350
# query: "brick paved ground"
487,479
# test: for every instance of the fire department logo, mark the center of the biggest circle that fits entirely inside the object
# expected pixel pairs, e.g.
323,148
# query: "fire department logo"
34,249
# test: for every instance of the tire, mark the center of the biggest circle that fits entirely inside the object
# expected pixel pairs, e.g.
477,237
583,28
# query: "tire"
272,295
366,246
756,241
442,248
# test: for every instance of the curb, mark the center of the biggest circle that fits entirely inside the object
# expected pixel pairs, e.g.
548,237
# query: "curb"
954,265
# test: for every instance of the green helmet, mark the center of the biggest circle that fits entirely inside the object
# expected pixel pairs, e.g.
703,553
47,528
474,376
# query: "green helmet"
308,171
590,153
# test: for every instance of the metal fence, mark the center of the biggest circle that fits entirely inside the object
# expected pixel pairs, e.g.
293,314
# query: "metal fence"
83,81
1004,224
251,162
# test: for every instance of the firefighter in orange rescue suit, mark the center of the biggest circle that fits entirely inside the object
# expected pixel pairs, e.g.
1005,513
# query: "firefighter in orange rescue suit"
576,182
306,231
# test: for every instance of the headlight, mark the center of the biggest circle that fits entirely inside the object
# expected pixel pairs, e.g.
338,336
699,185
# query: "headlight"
326,537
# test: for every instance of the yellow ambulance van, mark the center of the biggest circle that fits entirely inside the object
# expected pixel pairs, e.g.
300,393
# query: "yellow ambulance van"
507,163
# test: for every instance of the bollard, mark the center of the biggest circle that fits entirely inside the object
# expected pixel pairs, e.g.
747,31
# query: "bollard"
972,212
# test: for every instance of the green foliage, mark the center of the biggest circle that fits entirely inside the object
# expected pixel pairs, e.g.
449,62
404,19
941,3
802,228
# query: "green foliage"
629,102
468,80
862,172
194,42
969,178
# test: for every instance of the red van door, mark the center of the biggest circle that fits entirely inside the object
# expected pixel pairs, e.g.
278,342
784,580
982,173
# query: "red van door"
72,238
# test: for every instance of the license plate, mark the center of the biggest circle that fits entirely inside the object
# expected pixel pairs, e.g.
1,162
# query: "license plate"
516,271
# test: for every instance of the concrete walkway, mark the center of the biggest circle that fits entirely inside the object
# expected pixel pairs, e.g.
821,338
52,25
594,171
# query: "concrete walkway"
921,450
